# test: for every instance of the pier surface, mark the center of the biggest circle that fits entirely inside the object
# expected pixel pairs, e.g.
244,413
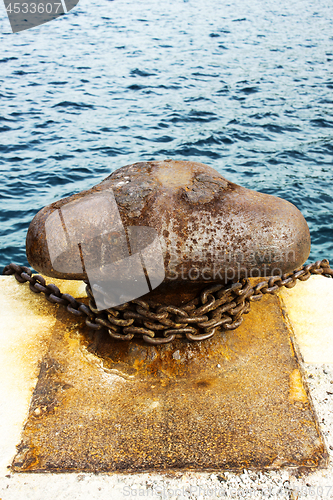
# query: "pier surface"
29,328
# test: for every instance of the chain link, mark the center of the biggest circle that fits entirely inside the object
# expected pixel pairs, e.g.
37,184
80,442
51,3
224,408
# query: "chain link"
217,306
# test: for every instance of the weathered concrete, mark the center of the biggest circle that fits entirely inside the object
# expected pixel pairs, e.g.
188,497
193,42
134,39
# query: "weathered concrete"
18,359
310,309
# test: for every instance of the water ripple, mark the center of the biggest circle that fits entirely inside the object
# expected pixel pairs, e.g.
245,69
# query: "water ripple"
246,89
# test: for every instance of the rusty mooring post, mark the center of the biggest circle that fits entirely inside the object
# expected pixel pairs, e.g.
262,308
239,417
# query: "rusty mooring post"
210,230
162,232
159,244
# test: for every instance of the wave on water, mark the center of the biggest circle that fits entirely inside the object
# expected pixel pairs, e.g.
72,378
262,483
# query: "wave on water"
247,90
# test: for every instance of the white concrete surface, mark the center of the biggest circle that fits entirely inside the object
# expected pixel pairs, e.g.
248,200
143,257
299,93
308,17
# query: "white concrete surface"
26,322
310,310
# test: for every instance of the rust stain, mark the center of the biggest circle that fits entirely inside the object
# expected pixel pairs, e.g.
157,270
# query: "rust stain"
225,403
171,176
297,391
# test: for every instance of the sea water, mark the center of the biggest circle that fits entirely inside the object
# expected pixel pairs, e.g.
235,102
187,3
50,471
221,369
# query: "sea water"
245,86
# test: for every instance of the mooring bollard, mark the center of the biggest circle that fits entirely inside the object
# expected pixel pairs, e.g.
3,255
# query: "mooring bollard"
152,236
210,229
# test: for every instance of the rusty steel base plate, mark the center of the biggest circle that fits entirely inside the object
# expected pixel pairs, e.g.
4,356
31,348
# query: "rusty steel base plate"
234,401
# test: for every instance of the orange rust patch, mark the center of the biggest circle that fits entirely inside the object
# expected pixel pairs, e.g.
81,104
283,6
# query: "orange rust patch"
297,391
219,404
171,176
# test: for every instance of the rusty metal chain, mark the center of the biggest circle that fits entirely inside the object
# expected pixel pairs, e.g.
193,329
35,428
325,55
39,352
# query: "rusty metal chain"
217,306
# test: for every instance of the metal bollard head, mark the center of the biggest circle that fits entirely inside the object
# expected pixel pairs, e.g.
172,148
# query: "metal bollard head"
167,226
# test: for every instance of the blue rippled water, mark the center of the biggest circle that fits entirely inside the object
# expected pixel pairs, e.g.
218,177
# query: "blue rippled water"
244,86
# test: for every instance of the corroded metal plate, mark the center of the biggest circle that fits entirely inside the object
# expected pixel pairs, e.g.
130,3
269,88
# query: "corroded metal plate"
234,401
